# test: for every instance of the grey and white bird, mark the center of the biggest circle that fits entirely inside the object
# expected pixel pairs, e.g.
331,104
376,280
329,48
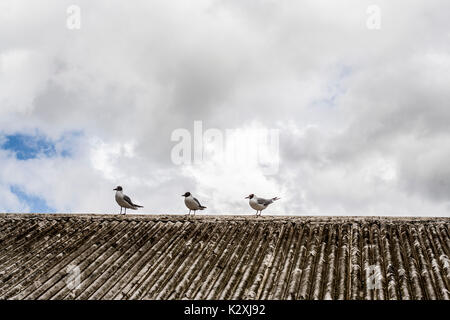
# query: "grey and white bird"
192,203
259,204
124,201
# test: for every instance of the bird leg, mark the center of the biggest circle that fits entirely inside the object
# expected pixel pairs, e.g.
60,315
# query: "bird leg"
120,210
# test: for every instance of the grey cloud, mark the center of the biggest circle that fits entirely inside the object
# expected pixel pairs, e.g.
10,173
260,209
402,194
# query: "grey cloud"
347,100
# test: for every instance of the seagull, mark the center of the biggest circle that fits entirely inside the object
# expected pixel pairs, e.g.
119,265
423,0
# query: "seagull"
192,203
259,204
124,201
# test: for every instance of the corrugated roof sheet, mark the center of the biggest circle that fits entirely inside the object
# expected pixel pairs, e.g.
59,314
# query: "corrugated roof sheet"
47,256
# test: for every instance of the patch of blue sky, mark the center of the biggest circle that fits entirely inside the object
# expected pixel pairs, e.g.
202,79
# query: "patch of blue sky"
31,146
344,71
334,89
35,203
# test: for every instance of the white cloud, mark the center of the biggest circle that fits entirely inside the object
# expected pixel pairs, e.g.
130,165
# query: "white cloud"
362,114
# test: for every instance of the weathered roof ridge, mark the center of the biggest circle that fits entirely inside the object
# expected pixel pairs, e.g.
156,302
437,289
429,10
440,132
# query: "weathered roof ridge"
208,218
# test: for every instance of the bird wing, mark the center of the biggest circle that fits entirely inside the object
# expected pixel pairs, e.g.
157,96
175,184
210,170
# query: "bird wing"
264,202
127,199
195,199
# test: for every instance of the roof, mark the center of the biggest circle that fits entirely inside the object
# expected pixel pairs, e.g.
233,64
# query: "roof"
75,256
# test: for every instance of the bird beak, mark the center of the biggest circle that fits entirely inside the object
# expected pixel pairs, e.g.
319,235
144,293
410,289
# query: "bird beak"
115,189
246,197
182,195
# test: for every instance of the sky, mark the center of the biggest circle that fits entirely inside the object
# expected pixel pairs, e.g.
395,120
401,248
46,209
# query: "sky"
336,107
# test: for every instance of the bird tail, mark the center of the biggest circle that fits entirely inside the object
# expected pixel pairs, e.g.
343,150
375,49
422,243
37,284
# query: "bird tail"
202,207
275,199
138,206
